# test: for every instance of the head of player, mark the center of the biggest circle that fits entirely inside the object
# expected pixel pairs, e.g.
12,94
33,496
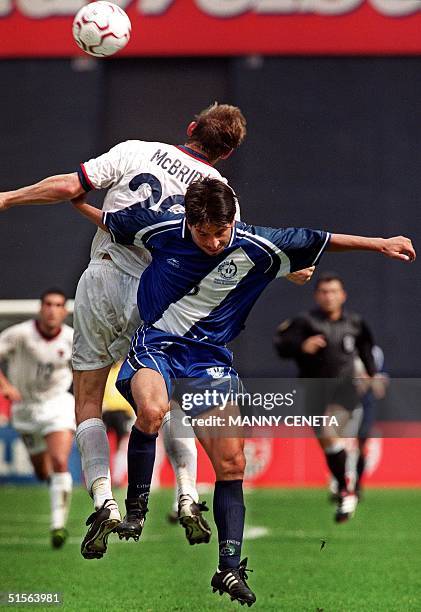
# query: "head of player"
217,131
329,294
52,311
210,209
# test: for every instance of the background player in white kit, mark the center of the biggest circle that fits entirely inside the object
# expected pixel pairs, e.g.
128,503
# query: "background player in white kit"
38,354
105,314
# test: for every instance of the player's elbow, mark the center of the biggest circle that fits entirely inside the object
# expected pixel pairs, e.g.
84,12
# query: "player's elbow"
68,187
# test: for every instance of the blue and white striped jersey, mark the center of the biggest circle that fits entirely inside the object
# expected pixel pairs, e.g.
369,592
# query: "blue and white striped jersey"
188,293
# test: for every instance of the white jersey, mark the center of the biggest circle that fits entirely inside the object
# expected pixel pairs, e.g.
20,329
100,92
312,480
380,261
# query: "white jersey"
39,367
154,173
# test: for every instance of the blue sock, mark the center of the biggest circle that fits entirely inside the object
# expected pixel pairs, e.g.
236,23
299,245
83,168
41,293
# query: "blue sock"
140,462
229,513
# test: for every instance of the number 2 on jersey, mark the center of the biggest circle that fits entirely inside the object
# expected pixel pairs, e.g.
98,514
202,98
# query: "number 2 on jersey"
156,192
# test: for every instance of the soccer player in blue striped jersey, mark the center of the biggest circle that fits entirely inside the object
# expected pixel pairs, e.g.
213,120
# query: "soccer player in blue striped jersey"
207,271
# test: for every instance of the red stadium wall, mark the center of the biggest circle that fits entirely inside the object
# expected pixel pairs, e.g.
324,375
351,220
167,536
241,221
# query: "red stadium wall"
281,462
299,462
223,27
5,406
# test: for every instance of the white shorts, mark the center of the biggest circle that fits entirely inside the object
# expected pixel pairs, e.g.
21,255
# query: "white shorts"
36,420
105,316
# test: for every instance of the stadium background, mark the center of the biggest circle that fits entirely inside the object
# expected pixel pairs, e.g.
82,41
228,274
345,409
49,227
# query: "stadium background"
332,104
332,143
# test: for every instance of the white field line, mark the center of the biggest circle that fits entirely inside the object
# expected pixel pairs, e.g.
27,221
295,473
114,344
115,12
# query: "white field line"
250,533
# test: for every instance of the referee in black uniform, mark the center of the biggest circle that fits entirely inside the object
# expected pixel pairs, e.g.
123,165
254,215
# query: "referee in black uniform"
324,342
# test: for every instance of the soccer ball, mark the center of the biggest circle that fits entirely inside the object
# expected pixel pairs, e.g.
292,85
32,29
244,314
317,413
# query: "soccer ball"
101,28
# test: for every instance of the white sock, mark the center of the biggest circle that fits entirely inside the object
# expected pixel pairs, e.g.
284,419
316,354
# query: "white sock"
182,453
94,449
60,486
101,491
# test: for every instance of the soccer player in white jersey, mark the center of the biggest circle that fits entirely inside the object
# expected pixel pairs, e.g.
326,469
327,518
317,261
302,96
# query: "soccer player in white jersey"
207,271
105,315
38,354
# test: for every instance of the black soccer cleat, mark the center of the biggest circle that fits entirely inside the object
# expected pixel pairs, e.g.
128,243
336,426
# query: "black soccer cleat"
102,522
233,582
132,524
190,517
58,537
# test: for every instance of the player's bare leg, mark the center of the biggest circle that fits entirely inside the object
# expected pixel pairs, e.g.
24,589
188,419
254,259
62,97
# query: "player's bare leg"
150,395
93,445
182,453
41,463
228,460
59,445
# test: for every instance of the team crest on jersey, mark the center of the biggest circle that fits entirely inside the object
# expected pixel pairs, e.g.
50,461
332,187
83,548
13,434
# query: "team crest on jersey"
173,262
216,372
176,209
227,269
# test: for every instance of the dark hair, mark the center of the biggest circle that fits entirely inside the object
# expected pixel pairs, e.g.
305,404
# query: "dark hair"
327,277
220,128
209,202
53,290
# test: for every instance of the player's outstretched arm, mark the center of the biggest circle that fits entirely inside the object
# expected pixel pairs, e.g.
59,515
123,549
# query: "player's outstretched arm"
48,191
90,212
397,247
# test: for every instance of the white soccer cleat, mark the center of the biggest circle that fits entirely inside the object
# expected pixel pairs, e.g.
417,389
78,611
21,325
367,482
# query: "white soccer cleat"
347,504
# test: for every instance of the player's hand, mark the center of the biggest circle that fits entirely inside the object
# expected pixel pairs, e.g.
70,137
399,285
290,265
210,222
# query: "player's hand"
11,393
79,201
399,247
301,277
313,344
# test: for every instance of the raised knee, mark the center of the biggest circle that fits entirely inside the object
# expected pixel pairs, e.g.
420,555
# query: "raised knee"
232,466
150,417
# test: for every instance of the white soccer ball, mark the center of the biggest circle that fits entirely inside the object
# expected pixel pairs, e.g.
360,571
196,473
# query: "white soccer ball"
101,28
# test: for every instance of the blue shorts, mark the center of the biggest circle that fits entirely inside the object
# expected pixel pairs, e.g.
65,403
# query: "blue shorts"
187,366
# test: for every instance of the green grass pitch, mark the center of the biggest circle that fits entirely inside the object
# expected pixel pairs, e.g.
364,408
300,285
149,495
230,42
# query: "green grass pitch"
369,564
